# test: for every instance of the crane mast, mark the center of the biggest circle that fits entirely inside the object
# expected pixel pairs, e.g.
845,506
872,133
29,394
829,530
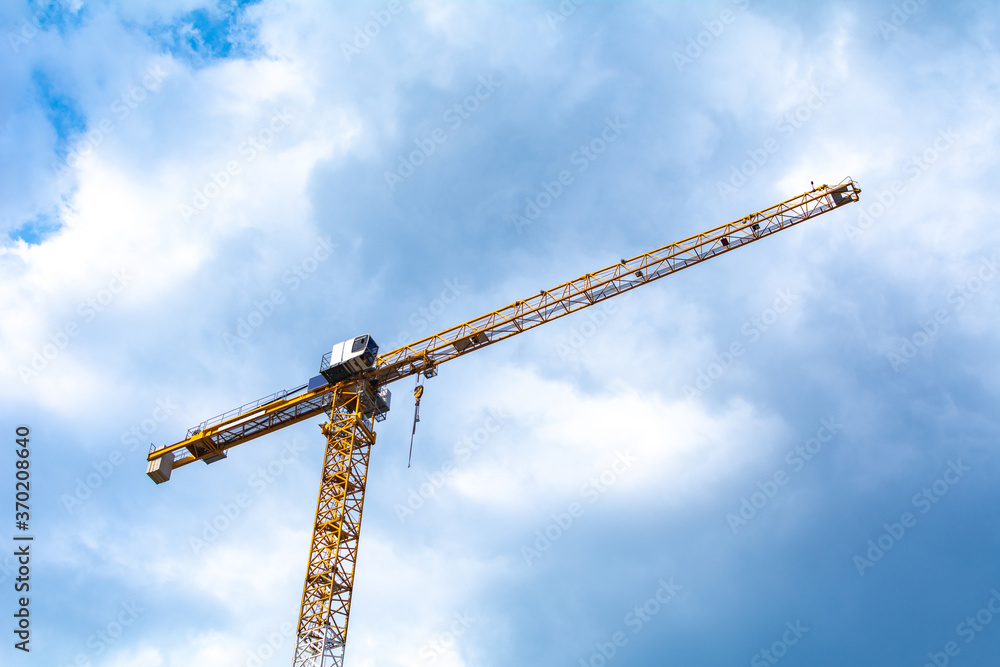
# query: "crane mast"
355,396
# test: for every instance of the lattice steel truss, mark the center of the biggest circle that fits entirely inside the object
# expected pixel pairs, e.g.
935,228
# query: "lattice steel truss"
333,550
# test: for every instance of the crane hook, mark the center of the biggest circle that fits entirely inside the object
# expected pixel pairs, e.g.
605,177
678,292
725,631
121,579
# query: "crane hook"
418,391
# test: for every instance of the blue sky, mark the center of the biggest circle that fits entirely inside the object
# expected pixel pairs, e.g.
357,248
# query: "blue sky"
199,199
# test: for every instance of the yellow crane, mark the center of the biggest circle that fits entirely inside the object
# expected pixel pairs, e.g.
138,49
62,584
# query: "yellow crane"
352,388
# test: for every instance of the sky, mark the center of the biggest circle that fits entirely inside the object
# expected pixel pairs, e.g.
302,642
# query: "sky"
782,456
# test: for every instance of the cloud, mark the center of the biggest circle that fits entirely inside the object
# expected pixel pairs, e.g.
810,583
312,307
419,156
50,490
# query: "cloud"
195,206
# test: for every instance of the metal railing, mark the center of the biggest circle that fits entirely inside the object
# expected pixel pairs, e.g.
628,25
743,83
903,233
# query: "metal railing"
324,363
244,409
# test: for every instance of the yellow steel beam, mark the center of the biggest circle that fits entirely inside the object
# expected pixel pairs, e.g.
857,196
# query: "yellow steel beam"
236,430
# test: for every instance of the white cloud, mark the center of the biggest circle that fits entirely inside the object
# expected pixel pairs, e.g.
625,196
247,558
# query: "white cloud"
674,450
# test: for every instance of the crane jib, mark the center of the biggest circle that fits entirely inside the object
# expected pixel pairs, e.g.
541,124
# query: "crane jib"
209,440
595,287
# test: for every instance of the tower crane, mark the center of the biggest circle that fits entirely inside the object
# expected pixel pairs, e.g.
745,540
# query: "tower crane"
352,388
